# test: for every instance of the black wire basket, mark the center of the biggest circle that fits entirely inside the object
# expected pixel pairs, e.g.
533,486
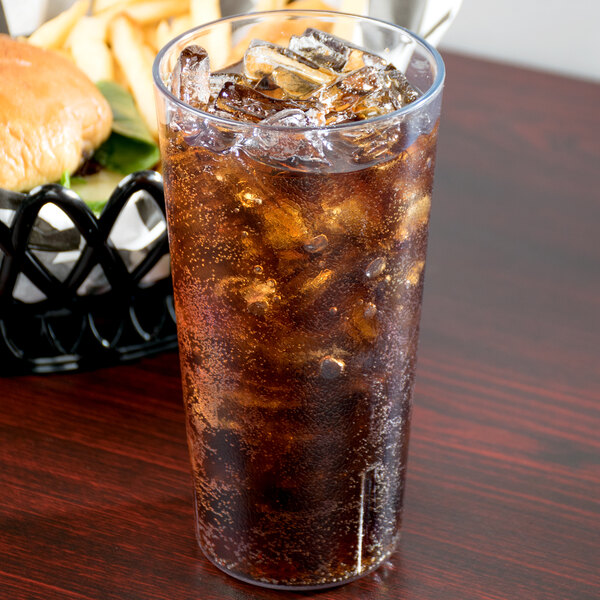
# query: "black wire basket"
127,318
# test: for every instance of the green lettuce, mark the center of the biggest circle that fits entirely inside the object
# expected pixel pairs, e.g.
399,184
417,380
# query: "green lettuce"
130,146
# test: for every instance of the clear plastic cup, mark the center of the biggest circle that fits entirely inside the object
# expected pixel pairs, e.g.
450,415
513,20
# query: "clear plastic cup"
298,259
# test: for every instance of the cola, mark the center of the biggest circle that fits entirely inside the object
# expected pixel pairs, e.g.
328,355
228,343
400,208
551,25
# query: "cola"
298,252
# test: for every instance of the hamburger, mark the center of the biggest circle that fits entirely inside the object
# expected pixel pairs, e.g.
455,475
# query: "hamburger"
52,117
58,126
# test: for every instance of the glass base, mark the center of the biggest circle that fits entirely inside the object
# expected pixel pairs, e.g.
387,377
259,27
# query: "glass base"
293,587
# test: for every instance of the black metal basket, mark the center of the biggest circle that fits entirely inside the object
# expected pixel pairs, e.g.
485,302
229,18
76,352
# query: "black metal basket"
67,330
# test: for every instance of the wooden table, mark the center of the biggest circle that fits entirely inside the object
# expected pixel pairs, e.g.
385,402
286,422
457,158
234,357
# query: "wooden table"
504,474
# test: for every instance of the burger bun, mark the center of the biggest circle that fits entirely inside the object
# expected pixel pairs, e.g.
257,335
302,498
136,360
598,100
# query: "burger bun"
52,116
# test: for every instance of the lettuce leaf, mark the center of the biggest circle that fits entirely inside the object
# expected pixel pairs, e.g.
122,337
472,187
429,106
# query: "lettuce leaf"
130,147
126,155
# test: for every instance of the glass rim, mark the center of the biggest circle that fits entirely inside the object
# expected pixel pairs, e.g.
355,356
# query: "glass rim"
423,100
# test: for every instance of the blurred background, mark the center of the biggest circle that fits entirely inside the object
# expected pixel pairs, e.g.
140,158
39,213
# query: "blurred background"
553,35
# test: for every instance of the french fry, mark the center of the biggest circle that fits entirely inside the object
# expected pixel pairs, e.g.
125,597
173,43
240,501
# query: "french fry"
217,41
165,31
134,60
269,5
354,7
155,10
163,34
149,32
99,6
119,77
347,29
309,5
89,50
149,53
145,12
204,11
54,33
180,24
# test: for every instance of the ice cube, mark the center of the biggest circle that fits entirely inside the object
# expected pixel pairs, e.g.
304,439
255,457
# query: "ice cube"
335,98
310,285
246,104
332,52
378,102
216,81
403,92
315,286
247,294
414,273
229,287
363,80
417,216
376,144
352,215
275,143
284,225
293,84
295,148
346,92
362,325
344,116
209,135
291,117
321,48
190,77
268,87
359,58
366,93
261,59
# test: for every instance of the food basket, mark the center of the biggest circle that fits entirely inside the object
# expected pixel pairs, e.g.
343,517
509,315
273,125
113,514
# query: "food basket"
80,291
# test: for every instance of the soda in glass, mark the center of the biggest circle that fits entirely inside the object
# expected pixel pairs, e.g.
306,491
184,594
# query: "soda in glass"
298,154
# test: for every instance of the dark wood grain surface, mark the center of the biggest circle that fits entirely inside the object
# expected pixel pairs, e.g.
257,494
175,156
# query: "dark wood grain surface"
503,497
